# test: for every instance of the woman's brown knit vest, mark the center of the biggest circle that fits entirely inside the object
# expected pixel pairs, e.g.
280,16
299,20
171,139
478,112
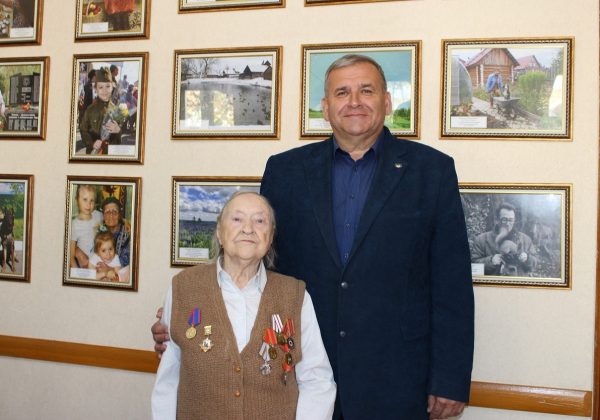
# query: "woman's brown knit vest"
223,383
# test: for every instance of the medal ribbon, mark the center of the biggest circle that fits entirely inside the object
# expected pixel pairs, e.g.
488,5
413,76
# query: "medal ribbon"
264,352
194,318
276,322
288,328
270,337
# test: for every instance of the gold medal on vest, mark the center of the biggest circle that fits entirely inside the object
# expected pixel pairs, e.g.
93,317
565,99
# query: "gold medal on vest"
207,343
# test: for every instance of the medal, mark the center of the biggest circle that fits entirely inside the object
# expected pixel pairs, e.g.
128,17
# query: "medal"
207,343
190,333
281,339
265,368
288,359
273,353
193,320
286,368
290,342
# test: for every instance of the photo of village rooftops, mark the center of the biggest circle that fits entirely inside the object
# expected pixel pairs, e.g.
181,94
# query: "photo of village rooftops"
234,94
508,90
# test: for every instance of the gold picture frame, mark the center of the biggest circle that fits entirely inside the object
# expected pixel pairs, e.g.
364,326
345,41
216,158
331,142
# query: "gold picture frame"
227,94
91,137
400,61
23,98
519,234
16,210
507,88
102,227
95,21
186,6
21,22
196,203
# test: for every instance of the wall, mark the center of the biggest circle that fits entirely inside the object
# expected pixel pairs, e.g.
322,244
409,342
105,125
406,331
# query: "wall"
524,336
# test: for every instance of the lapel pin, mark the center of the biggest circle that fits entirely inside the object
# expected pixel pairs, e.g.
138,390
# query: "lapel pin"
397,165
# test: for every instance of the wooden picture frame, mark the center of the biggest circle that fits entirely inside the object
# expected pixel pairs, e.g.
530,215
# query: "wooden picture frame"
109,21
226,94
509,88
193,6
23,98
115,132
197,201
519,234
16,210
21,22
102,232
400,61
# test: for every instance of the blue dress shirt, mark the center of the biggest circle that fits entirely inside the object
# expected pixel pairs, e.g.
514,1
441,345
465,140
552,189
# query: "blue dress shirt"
351,181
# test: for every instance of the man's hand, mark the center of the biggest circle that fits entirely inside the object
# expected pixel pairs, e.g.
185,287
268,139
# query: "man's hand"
160,334
497,259
443,408
523,257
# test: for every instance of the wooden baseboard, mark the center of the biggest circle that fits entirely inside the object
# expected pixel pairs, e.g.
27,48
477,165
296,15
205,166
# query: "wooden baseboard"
483,394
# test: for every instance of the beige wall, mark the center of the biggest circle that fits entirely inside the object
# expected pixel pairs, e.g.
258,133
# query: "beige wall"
524,336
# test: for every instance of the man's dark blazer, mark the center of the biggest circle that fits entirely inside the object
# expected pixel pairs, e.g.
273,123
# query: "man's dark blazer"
397,320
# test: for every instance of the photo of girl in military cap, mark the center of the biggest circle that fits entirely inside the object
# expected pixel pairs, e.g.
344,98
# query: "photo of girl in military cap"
108,108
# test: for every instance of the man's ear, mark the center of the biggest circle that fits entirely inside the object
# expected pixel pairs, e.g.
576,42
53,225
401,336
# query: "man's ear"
325,108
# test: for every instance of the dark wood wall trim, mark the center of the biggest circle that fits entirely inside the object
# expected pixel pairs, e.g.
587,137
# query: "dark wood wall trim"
483,394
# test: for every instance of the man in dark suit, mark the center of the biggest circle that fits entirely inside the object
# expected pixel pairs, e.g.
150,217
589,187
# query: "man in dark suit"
374,226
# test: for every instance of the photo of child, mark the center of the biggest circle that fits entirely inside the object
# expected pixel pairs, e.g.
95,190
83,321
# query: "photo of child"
104,258
84,225
102,230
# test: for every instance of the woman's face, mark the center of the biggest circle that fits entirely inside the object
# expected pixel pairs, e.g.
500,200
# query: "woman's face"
111,216
245,230
104,90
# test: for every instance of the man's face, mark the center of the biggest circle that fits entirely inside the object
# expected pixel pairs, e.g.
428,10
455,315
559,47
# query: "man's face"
104,90
111,216
356,103
506,218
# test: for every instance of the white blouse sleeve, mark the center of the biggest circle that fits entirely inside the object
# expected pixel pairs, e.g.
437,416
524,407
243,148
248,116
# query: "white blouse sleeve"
313,373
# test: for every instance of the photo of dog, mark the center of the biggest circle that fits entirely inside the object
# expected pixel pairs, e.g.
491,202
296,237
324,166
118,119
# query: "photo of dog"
7,224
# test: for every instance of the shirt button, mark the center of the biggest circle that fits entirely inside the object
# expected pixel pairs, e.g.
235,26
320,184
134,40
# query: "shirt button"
237,393
238,369
342,334
352,196
347,225
346,256
344,285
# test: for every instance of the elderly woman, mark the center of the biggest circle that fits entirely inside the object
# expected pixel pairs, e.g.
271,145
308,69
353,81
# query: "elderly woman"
245,342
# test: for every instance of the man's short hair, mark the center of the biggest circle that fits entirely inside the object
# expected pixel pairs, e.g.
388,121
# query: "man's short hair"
506,206
350,60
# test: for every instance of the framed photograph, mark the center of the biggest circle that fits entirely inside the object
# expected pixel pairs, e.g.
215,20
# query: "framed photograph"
98,20
108,108
328,2
400,61
227,94
518,89
197,201
21,22
101,232
16,203
519,234
23,98
186,6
